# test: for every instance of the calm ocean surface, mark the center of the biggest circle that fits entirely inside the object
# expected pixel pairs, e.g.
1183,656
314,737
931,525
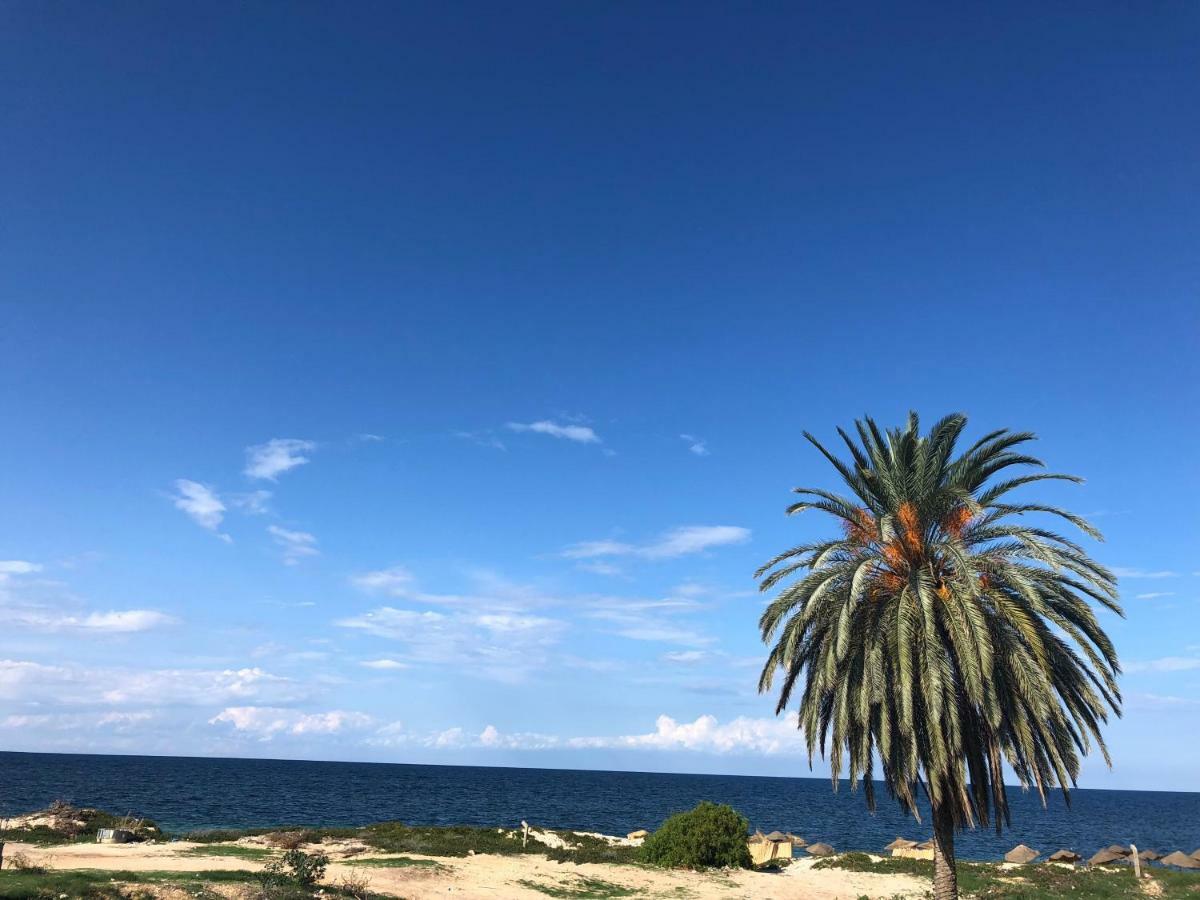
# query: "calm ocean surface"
187,793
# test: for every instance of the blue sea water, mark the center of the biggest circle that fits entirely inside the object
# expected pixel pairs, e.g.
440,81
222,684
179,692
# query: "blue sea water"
184,793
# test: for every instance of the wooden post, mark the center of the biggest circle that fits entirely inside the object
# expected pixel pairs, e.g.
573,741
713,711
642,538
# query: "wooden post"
1137,863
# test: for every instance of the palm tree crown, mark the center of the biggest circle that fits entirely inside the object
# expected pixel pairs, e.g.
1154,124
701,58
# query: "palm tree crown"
939,632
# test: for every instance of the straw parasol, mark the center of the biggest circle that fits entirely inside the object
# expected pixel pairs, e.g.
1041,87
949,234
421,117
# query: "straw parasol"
1118,849
1150,855
776,837
820,849
1021,854
901,844
925,845
1104,857
1195,854
1069,856
758,837
1180,859
796,840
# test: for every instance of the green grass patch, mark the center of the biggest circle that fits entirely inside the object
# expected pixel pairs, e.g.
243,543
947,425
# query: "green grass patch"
101,884
581,889
232,851
394,862
987,881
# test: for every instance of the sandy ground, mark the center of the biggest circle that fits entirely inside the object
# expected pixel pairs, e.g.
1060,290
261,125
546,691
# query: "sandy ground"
488,876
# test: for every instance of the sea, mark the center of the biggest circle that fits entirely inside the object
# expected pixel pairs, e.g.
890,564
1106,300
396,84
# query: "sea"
190,793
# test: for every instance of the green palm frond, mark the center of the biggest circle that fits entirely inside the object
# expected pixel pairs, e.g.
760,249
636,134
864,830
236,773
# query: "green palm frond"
945,632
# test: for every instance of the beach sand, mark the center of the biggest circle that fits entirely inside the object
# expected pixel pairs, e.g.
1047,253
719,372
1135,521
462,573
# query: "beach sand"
490,876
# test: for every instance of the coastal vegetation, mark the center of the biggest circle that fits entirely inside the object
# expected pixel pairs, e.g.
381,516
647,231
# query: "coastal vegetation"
711,836
1047,881
941,633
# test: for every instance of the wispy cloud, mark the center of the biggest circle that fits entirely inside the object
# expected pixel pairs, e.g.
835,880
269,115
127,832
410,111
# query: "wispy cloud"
266,722
29,682
384,665
1154,595
599,567
482,438
124,621
1165,664
1126,572
17,567
488,591
276,456
696,445
500,646
580,434
252,503
296,545
396,581
201,504
678,542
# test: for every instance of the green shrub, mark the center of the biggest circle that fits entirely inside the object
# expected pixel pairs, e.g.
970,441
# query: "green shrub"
307,869
711,836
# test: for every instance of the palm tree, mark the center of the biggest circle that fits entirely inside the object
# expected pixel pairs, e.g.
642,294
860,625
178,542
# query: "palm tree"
939,632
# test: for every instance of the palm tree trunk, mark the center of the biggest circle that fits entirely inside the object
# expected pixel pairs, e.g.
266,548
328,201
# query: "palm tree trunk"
945,876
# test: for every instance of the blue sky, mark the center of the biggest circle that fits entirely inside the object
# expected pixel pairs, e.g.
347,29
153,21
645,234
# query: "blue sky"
424,382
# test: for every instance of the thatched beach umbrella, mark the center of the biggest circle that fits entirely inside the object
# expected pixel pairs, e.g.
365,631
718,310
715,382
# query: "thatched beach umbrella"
1021,854
1067,856
820,849
796,840
776,837
1180,859
901,844
1104,857
1118,849
1150,855
925,845
758,837
1195,854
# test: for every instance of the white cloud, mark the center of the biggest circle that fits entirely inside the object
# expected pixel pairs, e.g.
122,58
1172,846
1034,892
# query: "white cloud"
652,620
695,445
1124,572
1154,595
1165,664
276,456
707,734
265,722
383,664
201,504
675,543
120,722
580,434
296,544
25,681
501,646
10,567
685,656
489,591
124,621
396,581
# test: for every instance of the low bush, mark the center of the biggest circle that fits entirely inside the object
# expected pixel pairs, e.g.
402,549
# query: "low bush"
711,836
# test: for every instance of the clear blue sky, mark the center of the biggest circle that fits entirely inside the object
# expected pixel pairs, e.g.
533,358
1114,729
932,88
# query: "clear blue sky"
484,268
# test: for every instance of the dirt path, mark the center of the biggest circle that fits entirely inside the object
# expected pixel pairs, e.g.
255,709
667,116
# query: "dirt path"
487,876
